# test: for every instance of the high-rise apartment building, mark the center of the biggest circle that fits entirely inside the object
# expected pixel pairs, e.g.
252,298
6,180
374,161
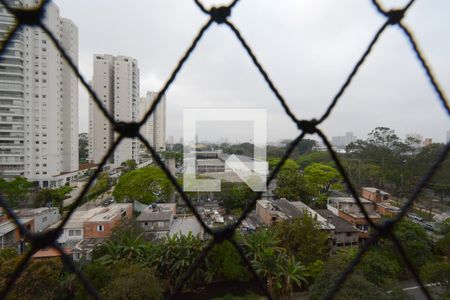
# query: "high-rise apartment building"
38,99
154,130
116,82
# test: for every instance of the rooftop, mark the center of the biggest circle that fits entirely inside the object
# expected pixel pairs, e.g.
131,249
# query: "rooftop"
348,200
184,225
375,190
339,224
155,216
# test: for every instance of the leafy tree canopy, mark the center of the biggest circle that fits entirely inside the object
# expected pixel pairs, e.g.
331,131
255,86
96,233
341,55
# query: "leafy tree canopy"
146,185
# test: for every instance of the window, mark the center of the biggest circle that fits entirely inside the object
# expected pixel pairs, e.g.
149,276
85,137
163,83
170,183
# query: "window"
74,232
100,228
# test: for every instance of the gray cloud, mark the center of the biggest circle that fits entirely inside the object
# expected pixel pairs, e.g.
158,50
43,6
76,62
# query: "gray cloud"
307,47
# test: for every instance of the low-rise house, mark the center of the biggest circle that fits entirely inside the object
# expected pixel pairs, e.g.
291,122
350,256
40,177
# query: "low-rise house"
102,223
374,194
43,217
84,248
345,235
156,219
97,222
272,211
10,236
347,209
382,201
49,252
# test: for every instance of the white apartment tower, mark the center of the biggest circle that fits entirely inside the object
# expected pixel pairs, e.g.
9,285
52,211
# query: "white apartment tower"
38,100
154,130
116,82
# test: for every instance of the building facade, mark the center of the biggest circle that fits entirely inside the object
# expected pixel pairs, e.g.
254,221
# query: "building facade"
38,100
154,130
116,82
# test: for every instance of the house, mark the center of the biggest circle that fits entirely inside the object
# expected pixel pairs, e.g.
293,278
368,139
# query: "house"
272,211
157,218
382,201
97,222
347,209
84,248
43,217
374,194
345,235
10,236
49,252
102,223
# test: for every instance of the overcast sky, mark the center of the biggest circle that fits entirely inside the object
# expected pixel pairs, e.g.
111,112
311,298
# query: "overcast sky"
307,46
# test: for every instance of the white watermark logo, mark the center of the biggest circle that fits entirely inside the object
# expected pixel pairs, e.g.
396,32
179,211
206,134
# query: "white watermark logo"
253,171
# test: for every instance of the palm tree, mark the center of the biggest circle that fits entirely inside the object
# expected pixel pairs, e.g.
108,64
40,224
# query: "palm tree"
293,273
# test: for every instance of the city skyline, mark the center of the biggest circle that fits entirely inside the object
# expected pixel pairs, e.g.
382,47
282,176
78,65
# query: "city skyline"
390,90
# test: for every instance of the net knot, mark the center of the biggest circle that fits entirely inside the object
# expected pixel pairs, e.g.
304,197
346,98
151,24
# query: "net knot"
40,240
28,17
220,14
129,130
223,234
308,126
395,16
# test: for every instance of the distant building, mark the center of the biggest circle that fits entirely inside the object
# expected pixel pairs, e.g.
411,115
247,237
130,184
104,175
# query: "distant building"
347,209
84,248
342,141
427,142
39,98
102,223
154,130
374,194
448,136
10,236
382,201
157,219
43,217
273,211
116,82
345,234
96,222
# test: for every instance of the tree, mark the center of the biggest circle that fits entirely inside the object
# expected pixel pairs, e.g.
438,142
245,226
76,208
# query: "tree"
83,144
355,287
55,197
315,157
438,271
322,178
129,165
303,238
415,241
15,191
227,262
443,244
132,282
146,185
235,195
306,146
39,280
292,185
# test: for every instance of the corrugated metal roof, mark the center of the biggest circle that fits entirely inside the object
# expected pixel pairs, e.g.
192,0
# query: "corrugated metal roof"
7,227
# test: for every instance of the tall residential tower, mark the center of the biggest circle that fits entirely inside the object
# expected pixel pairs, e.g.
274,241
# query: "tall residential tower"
154,130
38,99
116,82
